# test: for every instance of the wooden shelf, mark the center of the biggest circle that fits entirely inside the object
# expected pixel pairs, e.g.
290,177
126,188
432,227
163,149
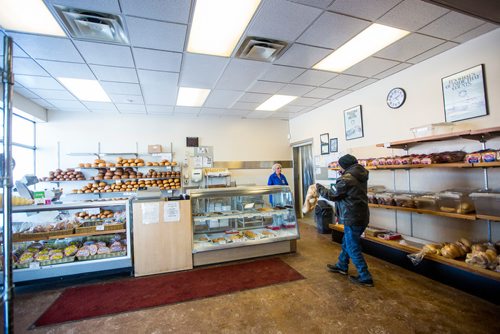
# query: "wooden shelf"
487,217
487,164
446,165
480,134
437,258
423,211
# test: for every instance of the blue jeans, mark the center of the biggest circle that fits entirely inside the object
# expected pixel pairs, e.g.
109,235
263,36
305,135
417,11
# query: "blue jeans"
351,249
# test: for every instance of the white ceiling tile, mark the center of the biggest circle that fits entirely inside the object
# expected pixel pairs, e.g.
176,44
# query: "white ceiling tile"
236,113
155,109
295,90
68,105
201,71
483,29
412,15
160,95
274,17
134,99
43,103
105,54
67,70
117,74
343,81
314,77
171,10
48,48
212,111
158,78
322,103
315,3
52,94
339,95
186,110
100,106
240,74
281,73
322,93
30,82
222,98
104,6
451,25
259,114
156,35
304,101
157,60
371,66
432,52
24,92
254,97
290,109
369,10
302,56
362,84
344,27
409,47
131,108
393,70
245,105
17,51
26,66
121,88
266,87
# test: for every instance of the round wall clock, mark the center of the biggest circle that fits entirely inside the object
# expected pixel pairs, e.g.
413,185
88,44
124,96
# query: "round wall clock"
396,97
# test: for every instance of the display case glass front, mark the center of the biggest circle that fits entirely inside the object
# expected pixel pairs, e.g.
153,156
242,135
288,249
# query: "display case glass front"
242,216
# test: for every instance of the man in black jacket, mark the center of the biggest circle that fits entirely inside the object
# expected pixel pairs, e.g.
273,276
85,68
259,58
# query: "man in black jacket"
353,212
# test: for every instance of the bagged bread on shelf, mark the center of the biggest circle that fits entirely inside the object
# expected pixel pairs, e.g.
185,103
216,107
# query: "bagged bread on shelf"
416,258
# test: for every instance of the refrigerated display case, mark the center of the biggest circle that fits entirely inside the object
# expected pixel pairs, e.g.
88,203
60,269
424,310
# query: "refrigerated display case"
242,222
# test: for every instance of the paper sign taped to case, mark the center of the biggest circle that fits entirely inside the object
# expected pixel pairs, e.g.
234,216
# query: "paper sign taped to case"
150,213
171,212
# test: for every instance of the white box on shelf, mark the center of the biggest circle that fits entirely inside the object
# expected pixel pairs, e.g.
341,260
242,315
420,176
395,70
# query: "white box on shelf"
432,129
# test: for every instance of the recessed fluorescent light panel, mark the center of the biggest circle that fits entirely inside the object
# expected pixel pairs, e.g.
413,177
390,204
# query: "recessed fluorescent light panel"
218,25
369,41
192,97
85,90
275,102
28,16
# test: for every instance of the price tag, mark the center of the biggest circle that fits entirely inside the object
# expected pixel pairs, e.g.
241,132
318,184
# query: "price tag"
112,168
118,181
35,265
93,211
99,228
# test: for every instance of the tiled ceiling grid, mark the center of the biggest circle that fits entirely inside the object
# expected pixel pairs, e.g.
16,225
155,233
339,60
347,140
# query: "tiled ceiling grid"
143,77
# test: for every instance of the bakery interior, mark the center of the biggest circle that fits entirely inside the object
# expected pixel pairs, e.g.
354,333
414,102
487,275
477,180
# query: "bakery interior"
95,171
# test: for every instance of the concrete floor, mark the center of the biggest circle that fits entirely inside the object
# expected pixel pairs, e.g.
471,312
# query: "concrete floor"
400,302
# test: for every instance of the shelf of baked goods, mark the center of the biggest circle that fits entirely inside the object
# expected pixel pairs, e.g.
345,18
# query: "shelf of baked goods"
424,211
67,234
480,134
478,256
128,185
234,214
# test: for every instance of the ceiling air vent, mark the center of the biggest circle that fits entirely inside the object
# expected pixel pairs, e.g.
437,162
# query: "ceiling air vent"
85,24
260,49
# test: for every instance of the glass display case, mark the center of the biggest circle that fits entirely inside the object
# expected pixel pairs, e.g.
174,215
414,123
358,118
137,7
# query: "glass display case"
69,239
224,219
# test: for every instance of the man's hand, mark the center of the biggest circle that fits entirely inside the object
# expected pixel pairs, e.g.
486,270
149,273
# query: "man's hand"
320,187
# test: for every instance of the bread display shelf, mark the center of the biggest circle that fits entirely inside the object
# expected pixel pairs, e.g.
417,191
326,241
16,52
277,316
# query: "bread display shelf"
428,212
437,258
479,134
120,180
446,165
240,215
68,235
114,168
487,217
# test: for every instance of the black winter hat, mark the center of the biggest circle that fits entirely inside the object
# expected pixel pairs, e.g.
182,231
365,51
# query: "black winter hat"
347,161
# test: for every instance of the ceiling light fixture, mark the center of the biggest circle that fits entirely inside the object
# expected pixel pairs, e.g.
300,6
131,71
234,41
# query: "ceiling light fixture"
85,90
192,97
218,25
275,102
369,41
30,16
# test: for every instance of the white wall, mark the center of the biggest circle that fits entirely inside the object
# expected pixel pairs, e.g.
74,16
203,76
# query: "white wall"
424,105
232,139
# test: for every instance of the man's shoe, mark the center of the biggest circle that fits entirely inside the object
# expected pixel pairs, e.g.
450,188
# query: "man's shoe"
334,269
356,280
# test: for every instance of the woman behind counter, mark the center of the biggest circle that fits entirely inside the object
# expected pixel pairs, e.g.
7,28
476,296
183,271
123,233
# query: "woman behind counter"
276,178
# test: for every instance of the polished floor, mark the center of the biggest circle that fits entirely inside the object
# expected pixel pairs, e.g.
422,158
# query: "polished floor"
400,302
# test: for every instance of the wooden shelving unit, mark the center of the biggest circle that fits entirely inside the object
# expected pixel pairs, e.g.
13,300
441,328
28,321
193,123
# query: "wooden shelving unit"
448,165
427,212
437,258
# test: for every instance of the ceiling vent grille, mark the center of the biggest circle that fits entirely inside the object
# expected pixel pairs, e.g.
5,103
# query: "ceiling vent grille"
89,25
261,49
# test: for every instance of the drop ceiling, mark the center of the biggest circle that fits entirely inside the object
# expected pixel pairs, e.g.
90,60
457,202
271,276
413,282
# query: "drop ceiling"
144,76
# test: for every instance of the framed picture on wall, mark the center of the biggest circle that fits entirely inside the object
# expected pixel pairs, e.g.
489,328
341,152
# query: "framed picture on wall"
325,149
323,142
334,145
464,95
353,122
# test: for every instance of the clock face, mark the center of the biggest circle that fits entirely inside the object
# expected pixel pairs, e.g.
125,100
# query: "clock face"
396,98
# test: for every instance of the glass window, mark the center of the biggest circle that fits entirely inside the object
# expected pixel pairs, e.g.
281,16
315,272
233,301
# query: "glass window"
24,158
23,131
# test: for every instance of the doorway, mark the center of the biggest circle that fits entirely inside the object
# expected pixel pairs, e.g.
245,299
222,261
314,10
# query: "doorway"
303,174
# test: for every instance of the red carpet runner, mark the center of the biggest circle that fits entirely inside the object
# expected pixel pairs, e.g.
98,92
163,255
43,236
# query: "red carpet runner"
138,293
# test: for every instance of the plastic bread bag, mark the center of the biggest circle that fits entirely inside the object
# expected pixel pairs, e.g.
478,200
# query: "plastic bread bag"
416,258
